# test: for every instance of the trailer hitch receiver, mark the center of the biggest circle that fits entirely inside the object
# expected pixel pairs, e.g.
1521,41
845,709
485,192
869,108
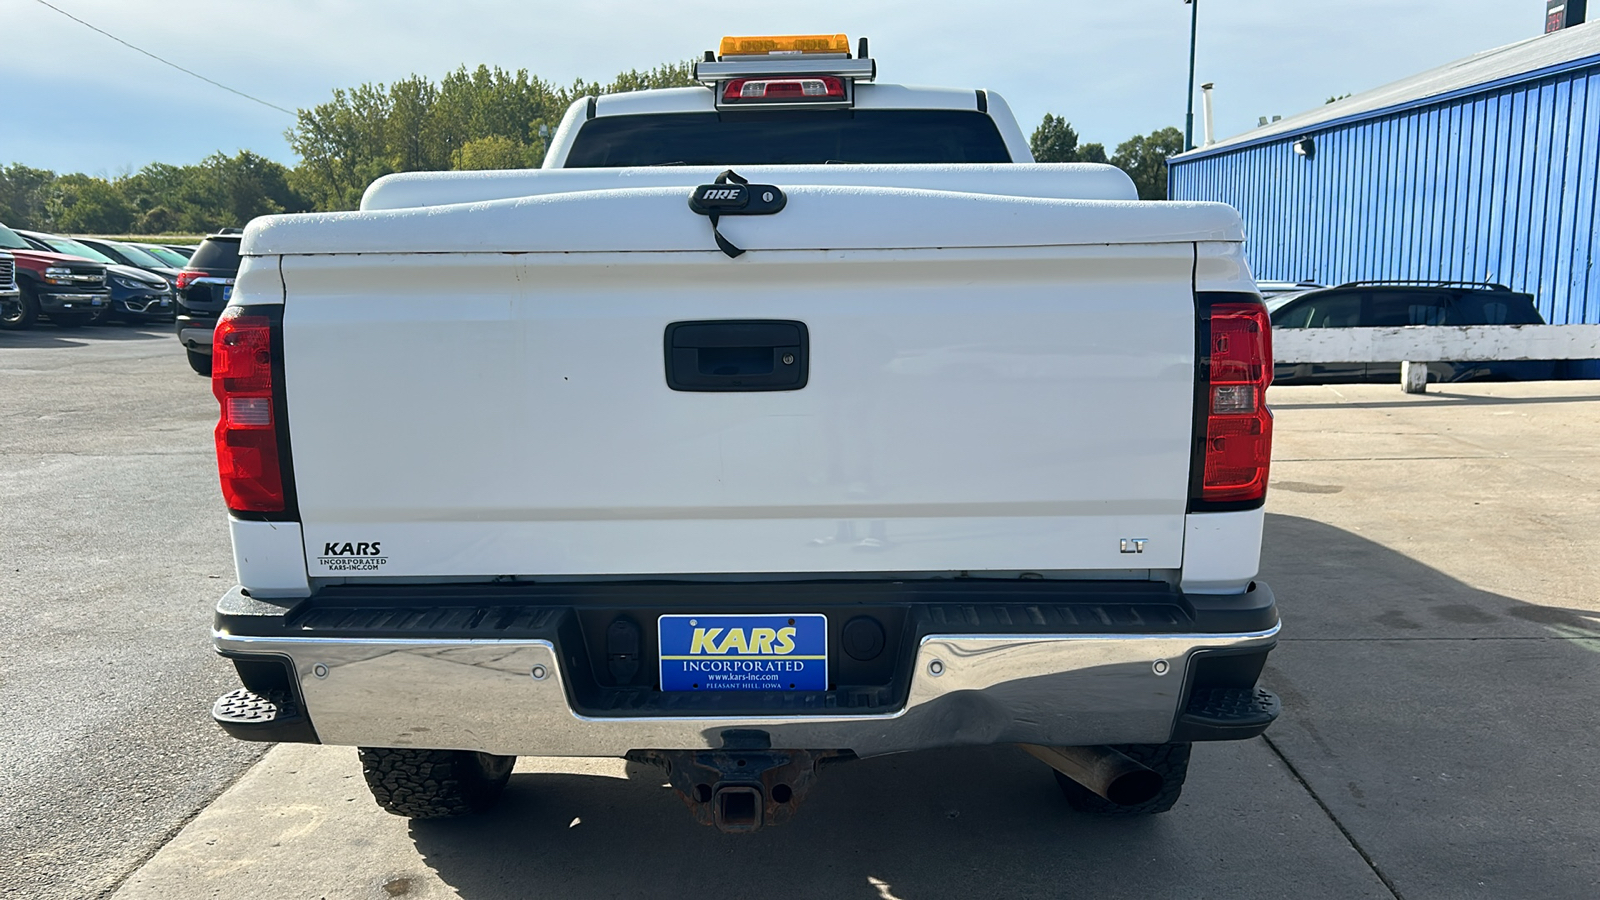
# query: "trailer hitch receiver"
739,791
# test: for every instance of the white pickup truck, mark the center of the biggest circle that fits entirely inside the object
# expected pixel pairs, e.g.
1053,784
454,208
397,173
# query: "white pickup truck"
888,439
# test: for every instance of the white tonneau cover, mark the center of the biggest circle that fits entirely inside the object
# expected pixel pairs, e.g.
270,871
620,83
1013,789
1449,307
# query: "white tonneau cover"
1060,181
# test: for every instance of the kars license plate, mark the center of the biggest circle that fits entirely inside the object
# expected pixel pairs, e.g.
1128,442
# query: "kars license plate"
744,653
227,293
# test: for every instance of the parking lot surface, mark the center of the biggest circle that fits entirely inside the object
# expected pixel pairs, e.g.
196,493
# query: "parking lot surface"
1435,557
112,554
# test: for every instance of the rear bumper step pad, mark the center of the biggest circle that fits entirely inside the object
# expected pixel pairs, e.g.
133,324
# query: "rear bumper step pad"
273,716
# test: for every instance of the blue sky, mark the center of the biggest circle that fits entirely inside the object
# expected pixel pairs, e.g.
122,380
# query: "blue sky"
75,101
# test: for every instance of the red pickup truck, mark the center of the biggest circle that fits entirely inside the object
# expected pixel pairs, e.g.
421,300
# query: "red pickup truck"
67,289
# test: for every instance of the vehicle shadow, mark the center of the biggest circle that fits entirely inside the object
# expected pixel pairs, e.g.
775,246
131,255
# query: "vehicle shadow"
948,823
1386,665
48,336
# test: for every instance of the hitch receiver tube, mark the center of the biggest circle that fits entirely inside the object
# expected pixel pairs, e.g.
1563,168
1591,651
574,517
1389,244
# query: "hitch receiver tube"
740,791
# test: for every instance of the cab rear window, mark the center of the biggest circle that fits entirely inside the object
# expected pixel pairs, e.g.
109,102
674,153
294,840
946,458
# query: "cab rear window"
789,137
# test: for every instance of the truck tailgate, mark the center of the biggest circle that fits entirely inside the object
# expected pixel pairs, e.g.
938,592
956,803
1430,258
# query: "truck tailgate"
480,414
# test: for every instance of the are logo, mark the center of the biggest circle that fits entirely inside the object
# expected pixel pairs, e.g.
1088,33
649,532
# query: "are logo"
722,197
352,556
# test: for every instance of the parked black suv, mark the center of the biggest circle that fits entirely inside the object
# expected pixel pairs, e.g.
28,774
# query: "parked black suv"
204,288
1382,304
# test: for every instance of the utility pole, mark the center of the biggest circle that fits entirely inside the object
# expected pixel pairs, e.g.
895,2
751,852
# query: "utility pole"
1194,32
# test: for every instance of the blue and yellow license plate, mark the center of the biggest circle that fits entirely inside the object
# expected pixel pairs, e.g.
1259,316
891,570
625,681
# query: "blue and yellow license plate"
744,653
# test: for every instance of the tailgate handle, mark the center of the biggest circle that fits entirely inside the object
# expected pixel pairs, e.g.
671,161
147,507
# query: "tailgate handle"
742,355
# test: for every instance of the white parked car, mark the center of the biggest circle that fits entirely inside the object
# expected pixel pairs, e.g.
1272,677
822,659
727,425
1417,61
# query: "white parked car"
787,419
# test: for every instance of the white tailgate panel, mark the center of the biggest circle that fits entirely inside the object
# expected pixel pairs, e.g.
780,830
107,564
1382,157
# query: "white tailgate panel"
508,414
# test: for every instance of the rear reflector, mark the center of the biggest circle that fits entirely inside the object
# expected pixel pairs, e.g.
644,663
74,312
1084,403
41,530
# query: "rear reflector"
1238,440
247,435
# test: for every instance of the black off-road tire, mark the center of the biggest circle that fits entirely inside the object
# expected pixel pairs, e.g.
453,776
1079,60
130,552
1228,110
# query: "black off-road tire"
434,784
199,362
20,314
1170,761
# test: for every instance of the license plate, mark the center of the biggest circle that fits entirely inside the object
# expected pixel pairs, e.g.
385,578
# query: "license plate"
744,653
227,293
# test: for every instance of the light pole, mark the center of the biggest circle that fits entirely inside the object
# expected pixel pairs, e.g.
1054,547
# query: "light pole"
1194,31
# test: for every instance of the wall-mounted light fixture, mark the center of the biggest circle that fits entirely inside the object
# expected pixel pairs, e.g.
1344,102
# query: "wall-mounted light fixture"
1306,147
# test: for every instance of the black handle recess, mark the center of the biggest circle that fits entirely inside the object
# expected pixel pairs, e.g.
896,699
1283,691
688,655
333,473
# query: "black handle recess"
749,355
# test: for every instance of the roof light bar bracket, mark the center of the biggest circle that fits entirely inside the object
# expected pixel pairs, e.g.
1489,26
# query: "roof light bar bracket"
708,72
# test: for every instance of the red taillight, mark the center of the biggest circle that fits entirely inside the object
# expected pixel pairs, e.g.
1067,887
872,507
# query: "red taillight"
1238,441
247,433
186,278
802,89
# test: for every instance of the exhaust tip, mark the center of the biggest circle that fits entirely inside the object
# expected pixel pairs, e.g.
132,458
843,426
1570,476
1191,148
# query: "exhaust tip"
1135,788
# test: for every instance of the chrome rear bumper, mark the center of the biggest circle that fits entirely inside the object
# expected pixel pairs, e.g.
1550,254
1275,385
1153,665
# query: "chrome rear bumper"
509,697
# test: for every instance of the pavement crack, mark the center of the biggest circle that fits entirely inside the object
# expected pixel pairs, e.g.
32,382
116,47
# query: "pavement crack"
1350,838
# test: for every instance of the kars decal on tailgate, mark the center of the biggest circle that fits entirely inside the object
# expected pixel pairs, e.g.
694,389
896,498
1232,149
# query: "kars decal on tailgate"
352,556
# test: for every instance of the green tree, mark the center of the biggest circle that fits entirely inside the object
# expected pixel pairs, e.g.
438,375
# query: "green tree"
343,146
24,194
473,118
483,118
495,152
81,203
1144,158
1055,140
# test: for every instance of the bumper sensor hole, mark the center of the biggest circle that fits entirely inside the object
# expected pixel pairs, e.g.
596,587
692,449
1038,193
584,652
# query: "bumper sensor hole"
782,793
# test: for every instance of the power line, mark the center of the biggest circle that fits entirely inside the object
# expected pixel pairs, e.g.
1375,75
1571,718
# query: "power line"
165,61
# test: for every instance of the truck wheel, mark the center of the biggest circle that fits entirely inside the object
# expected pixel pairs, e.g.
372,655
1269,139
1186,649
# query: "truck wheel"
434,784
1170,761
21,313
199,362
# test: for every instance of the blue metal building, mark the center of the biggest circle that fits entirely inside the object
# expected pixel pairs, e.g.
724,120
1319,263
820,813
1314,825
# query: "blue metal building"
1484,169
